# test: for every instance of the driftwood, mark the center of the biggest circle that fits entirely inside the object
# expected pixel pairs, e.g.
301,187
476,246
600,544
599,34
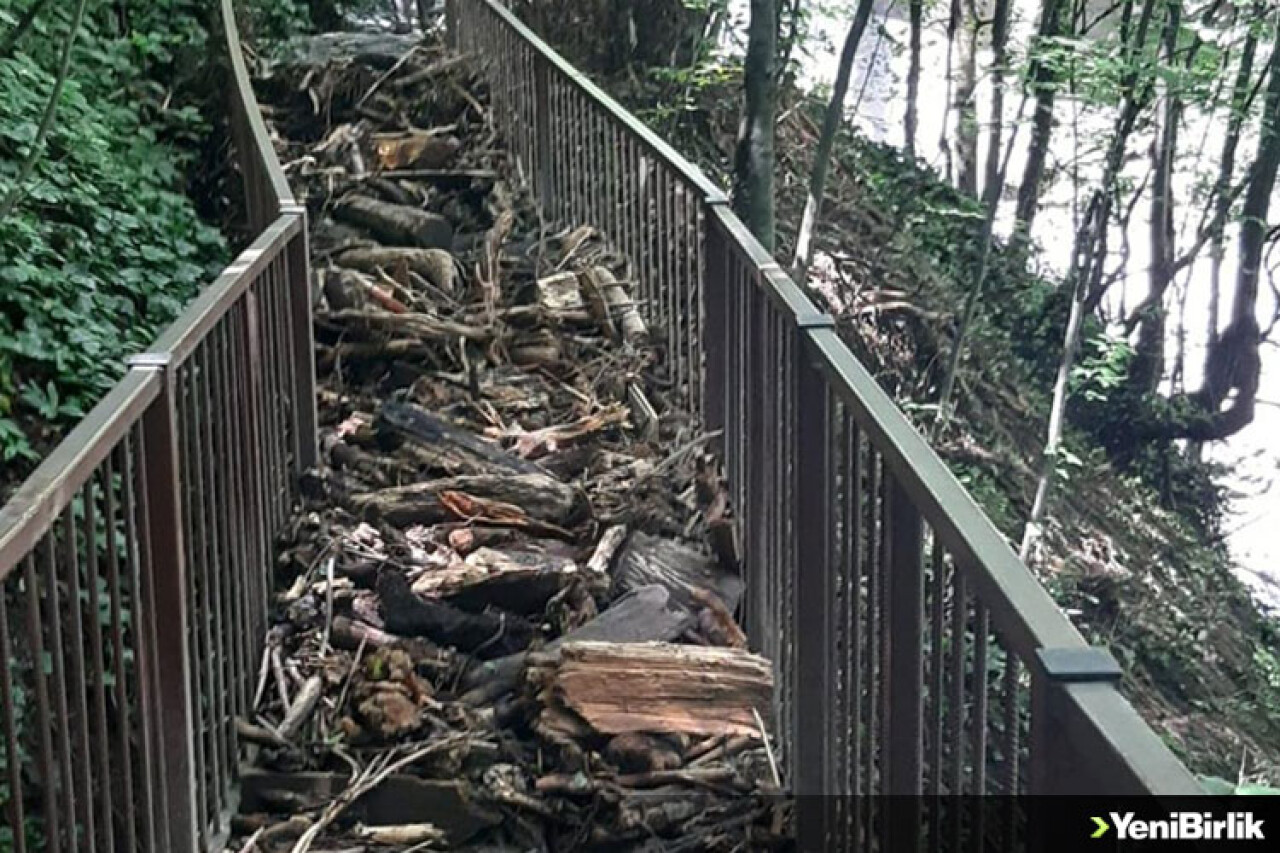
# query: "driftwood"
616,688
396,224
501,499
613,307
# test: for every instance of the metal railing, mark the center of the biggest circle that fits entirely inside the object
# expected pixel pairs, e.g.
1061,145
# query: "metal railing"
135,563
915,653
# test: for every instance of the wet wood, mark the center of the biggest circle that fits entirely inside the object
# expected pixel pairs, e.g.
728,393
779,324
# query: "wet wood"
396,224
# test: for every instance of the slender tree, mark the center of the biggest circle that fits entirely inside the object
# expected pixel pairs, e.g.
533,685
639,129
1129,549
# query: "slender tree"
1085,277
754,153
965,105
826,139
999,64
911,122
1043,84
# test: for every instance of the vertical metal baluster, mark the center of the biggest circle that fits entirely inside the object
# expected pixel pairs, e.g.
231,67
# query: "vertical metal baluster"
155,834
9,728
101,755
956,707
49,768
82,760
212,459
979,721
111,513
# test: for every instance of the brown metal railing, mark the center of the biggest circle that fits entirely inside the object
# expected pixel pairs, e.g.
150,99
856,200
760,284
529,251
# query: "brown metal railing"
135,562
915,653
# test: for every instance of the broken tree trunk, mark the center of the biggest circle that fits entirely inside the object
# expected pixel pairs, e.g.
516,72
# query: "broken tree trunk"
396,224
447,448
616,688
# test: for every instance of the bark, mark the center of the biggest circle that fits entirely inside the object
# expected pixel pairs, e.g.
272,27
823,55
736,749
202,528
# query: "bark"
826,139
682,570
965,105
483,634
1043,84
911,121
521,496
440,446
754,152
435,265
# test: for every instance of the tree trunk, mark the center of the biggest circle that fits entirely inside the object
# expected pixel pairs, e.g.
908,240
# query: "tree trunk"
999,61
1043,84
1233,362
822,154
1147,368
966,134
912,120
1086,265
753,157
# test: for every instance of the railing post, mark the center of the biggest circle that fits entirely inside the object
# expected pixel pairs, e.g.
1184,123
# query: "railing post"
298,264
542,131
715,295
811,764
162,492
904,723
1055,765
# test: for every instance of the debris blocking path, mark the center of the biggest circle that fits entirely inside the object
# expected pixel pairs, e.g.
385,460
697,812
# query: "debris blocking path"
505,613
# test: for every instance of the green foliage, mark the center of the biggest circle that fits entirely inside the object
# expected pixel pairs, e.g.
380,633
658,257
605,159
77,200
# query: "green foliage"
103,248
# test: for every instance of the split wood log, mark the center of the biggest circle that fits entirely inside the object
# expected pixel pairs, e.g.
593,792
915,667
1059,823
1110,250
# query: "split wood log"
435,265
521,497
483,634
518,580
644,615
560,292
300,711
396,224
647,559
445,447
415,149
612,306
617,688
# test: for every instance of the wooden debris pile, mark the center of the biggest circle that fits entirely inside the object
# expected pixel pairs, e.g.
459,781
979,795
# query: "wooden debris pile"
506,611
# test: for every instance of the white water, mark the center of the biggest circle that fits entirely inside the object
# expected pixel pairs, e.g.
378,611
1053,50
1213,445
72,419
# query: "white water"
877,102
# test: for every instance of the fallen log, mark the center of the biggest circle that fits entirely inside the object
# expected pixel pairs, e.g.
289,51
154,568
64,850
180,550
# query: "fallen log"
425,326
483,634
396,224
616,688
536,496
612,305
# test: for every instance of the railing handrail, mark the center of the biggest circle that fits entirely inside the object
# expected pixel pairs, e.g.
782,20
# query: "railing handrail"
42,496
248,101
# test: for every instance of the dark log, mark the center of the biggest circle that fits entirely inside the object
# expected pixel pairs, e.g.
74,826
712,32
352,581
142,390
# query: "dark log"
645,615
649,559
535,496
396,224
485,635
518,579
445,446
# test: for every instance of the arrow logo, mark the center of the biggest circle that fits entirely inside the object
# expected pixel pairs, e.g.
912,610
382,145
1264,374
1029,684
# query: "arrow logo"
1102,825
